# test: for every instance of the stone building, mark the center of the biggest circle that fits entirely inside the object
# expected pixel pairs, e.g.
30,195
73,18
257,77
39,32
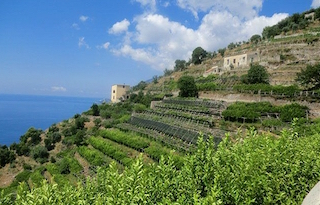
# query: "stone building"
239,61
119,93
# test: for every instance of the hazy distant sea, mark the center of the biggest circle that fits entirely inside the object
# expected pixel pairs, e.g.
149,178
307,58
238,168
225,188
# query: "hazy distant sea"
20,112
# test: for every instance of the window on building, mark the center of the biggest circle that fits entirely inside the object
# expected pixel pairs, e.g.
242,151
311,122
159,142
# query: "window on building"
228,62
123,86
244,59
234,61
113,97
114,91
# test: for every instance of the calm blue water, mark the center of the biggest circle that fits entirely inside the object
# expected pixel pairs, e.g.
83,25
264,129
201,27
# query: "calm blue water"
20,112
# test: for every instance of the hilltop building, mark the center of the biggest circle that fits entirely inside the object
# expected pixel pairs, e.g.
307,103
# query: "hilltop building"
234,62
241,60
119,93
310,16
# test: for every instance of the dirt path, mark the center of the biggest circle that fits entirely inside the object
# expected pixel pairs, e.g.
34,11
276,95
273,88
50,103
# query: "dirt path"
83,163
6,176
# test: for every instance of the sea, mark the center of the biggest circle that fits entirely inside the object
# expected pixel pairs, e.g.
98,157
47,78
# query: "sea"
20,112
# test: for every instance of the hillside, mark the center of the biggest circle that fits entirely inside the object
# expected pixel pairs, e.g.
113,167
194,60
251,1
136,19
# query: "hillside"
234,143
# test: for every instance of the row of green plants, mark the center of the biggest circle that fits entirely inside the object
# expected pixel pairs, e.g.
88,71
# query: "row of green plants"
126,138
199,109
173,131
207,79
246,169
178,120
194,102
161,138
190,116
93,156
251,112
110,150
156,151
288,91
208,86
129,139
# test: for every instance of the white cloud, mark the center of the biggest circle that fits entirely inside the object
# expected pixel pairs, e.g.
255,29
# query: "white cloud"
82,43
75,26
119,27
58,89
315,3
158,42
104,46
166,4
148,3
83,18
242,8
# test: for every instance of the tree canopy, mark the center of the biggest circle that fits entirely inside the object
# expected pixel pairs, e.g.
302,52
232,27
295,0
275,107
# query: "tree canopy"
255,38
198,55
180,65
257,74
187,87
310,77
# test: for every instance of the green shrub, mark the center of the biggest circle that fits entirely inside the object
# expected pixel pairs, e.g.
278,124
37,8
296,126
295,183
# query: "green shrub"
208,86
289,112
40,154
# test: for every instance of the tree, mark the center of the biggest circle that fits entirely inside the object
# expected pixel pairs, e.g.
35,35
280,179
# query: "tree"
187,87
198,55
6,156
232,46
32,134
317,13
310,77
257,74
40,154
255,38
270,31
95,110
141,86
155,79
180,65
222,51
167,72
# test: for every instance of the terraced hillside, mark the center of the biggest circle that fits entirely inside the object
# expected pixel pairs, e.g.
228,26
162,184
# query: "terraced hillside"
178,123
73,149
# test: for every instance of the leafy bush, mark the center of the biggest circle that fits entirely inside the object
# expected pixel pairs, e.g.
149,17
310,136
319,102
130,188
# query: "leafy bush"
37,177
94,157
40,154
310,77
68,165
187,87
22,176
209,86
128,139
32,136
250,111
257,74
139,108
6,156
289,112
288,91
110,150
27,166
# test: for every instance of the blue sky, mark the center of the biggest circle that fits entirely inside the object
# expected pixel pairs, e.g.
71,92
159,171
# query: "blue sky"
82,48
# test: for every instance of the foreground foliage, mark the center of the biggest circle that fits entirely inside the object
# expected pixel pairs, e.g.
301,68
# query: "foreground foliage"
256,169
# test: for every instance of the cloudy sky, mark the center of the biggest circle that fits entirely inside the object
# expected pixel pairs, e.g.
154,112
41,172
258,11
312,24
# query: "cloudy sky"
82,48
